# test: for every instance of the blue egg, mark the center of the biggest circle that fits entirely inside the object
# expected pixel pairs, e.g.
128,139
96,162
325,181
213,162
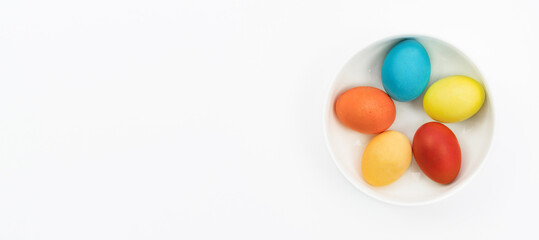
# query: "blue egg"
406,70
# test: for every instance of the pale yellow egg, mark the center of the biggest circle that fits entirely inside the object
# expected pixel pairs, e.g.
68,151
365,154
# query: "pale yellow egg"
386,158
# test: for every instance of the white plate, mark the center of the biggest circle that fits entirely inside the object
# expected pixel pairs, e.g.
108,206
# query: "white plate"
413,188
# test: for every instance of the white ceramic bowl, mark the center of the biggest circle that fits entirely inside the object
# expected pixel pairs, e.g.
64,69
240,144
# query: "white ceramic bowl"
413,188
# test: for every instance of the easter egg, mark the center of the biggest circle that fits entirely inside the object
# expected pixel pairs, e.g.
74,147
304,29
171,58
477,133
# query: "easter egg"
406,70
437,152
453,99
365,109
386,158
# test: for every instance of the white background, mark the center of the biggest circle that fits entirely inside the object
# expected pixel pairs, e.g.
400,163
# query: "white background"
203,119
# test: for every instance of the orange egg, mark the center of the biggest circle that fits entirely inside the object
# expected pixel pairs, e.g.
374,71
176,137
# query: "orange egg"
367,110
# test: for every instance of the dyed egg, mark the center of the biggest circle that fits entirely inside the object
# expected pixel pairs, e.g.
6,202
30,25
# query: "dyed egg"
386,158
453,99
437,152
406,70
365,109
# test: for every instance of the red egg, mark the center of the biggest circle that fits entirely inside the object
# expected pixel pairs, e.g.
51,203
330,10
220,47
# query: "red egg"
437,152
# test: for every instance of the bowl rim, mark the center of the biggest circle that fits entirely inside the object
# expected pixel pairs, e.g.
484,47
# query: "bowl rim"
326,111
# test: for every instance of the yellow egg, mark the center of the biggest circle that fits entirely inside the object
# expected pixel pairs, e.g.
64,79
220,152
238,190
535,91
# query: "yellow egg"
453,99
386,158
